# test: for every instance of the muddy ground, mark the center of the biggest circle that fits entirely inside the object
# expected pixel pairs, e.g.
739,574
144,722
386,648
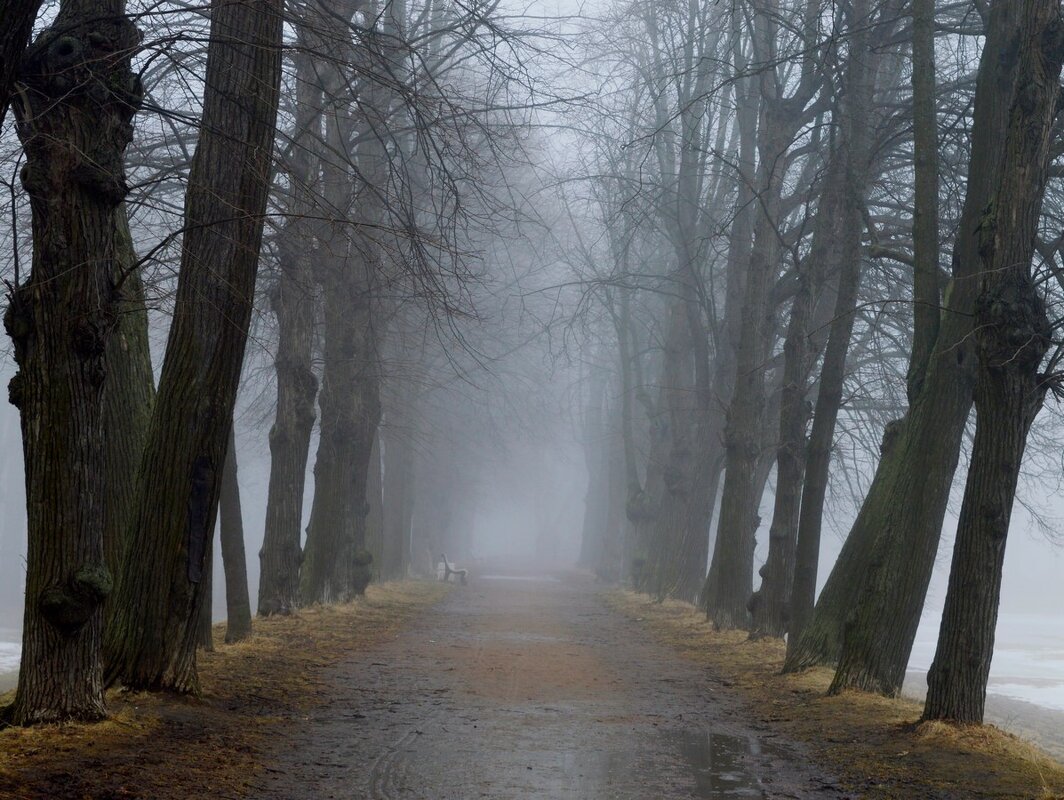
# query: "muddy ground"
513,687
531,687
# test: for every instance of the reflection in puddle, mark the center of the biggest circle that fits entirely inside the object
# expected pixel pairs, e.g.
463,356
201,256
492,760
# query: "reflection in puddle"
722,765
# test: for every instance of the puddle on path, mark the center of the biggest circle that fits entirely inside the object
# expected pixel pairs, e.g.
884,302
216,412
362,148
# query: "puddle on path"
724,767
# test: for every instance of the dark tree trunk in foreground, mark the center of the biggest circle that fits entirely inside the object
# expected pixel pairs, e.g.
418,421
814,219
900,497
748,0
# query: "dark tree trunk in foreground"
151,644
868,614
1012,336
18,17
74,121
234,562
292,301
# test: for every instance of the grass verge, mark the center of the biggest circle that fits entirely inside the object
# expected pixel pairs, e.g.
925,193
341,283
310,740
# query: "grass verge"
165,747
874,745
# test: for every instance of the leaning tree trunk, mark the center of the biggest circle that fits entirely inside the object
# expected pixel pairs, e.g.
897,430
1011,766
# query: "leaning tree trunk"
292,301
869,611
151,644
74,120
234,562
1012,335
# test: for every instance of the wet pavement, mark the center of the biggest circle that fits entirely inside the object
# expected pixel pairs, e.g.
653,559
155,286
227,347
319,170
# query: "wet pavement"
531,687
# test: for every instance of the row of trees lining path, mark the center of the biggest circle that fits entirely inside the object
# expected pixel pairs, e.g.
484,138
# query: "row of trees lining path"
750,209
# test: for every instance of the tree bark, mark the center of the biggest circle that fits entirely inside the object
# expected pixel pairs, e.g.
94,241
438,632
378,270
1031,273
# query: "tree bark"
234,562
74,120
292,300
770,608
129,396
18,17
1012,333
151,644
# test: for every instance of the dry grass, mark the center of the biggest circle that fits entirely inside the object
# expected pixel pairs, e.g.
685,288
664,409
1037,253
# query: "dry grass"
164,747
872,744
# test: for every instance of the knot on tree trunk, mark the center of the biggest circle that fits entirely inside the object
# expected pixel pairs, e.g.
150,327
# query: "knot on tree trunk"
69,607
78,74
1013,328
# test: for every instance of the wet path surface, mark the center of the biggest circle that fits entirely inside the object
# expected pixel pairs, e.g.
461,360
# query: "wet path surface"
531,687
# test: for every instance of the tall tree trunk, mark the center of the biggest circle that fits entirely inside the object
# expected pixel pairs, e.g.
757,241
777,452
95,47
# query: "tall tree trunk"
868,613
18,17
675,394
336,565
129,395
151,644
74,120
292,301
729,585
770,609
234,562
1012,334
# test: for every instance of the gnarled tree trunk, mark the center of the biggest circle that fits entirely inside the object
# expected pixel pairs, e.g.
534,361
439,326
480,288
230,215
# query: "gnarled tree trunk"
74,120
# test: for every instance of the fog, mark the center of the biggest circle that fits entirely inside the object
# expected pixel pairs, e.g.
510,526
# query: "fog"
743,314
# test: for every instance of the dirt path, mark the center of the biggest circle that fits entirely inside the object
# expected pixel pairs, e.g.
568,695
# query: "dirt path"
530,687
